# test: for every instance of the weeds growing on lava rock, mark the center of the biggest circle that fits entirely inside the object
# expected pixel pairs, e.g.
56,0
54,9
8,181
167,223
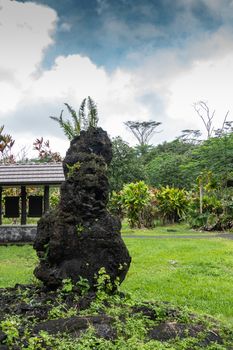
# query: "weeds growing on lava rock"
73,318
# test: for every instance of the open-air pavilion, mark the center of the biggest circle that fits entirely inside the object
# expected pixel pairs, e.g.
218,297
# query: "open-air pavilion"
24,177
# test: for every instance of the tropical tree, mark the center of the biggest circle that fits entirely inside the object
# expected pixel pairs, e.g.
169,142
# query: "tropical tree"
165,170
190,136
143,131
215,155
125,166
163,164
176,147
87,117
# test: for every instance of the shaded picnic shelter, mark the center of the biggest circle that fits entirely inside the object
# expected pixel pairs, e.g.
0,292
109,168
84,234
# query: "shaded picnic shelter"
24,176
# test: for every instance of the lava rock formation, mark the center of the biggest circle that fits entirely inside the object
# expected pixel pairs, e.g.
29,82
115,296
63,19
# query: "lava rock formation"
80,237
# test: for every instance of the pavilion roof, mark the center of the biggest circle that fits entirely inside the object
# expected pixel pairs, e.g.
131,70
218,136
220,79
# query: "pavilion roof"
31,174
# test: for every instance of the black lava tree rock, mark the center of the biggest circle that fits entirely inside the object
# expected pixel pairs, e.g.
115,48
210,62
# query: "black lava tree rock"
80,237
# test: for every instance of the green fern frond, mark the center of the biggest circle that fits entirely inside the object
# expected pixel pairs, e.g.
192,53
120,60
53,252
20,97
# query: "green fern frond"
59,120
79,122
76,119
92,112
73,113
68,130
82,115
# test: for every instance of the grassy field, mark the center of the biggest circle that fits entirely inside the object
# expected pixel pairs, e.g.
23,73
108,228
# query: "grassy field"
193,272
16,265
168,230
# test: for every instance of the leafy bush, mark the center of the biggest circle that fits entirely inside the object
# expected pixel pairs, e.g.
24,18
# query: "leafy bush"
204,221
115,205
143,205
150,212
54,198
172,204
135,197
216,213
225,222
148,215
210,204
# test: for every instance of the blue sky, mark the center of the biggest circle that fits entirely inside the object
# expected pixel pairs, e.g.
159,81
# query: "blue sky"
110,31
138,59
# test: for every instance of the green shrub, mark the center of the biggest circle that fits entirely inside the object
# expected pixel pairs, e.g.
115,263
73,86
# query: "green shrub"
115,205
216,213
135,197
212,204
143,205
54,198
172,204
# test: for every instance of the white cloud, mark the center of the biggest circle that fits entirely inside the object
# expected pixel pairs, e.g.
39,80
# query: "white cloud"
25,32
71,76
163,87
200,70
211,81
71,79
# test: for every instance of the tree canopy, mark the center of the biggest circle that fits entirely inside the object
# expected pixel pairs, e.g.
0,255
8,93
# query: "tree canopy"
143,131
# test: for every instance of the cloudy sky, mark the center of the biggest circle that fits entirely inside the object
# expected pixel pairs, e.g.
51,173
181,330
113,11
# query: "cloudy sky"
138,59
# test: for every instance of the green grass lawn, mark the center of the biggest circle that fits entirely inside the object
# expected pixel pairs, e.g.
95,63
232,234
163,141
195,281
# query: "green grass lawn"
172,230
16,265
193,272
